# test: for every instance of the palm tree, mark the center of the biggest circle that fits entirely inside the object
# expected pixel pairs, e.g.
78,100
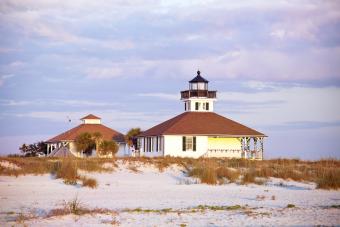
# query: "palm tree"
97,137
131,134
108,147
84,142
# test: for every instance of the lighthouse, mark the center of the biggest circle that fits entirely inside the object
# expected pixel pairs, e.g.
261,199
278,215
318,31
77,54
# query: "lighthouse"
198,98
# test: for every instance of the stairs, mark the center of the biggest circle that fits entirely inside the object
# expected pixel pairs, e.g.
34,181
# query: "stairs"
61,152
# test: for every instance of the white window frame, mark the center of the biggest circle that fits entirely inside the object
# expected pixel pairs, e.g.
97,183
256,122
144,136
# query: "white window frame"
189,143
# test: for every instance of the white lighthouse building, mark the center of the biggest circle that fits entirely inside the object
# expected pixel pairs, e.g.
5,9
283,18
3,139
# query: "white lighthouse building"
199,131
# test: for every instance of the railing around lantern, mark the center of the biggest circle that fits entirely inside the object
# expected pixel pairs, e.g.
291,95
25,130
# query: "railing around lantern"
198,93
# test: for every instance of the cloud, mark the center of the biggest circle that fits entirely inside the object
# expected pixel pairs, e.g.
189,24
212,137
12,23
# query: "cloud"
314,64
306,23
121,120
303,125
3,78
296,104
233,40
55,102
160,95
102,73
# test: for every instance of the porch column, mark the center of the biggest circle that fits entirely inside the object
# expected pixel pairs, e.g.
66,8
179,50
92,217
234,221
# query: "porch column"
243,147
247,146
261,147
255,147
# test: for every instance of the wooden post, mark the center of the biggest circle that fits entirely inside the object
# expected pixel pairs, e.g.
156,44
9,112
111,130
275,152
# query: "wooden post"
255,147
248,145
261,145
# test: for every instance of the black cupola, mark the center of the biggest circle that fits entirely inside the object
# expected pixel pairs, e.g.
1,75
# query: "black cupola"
198,83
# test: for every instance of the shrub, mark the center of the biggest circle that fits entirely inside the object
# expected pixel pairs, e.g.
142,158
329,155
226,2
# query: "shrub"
108,148
207,174
216,208
67,171
249,176
74,206
290,205
91,165
330,179
133,168
231,175
89,182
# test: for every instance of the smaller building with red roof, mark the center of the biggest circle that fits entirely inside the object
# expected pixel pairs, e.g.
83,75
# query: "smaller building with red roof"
64,144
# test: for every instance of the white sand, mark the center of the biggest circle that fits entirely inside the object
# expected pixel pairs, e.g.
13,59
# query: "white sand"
150,189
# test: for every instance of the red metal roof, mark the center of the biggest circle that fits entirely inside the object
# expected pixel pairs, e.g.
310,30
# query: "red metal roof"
70,135
201,123
90,116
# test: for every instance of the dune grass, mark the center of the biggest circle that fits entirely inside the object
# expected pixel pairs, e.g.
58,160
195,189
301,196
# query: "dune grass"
61,168
325,173
89,182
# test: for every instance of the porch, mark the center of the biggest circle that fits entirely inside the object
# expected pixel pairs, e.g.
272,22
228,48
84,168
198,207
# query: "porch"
238,147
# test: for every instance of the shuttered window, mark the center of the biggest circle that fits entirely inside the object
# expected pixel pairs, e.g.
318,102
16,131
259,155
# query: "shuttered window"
144,144
194,143
183,143
189,143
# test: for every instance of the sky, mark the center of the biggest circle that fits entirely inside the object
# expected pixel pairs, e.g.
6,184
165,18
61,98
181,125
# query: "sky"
275,65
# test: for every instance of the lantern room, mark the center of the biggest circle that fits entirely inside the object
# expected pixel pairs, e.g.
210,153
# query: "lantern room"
198,83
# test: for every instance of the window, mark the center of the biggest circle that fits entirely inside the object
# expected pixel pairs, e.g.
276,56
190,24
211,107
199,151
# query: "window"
204,106
197,105
149,144
138,144
189,143
160,143
183,143
207,106
156,143
201,86
194,143
185,106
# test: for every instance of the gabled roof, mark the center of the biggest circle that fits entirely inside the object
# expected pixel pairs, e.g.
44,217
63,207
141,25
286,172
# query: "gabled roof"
198,79
201,123
70,135
90,116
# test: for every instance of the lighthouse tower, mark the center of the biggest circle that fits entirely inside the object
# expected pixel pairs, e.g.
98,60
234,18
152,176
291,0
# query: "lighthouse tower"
198,98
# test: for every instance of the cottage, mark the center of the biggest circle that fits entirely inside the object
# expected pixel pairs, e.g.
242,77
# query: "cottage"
63,145
199,132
